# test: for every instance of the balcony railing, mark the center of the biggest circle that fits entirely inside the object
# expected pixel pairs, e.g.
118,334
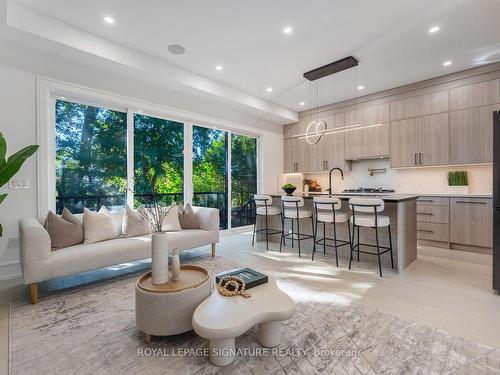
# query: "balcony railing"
242,215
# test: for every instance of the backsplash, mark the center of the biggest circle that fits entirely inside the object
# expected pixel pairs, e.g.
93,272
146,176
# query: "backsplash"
423,180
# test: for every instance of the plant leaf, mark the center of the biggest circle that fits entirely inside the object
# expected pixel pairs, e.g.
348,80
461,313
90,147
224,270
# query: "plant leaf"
3,150
15,162
1,230
2,197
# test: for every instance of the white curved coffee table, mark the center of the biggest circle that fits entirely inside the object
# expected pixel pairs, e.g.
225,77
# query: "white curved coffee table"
221,319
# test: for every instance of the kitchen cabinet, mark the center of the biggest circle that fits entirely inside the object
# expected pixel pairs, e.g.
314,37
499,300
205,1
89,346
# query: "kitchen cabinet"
435,102
471,221
367,142
475,95
327,153
295,155
402,109
374,114
420,141
471,135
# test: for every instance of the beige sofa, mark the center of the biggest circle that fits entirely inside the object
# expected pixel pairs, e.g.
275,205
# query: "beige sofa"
39,263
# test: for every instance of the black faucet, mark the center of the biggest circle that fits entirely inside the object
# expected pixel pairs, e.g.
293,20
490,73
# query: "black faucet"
330,178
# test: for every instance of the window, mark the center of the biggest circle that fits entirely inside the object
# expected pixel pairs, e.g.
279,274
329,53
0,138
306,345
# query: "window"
91,157
243,179
210,170
158,156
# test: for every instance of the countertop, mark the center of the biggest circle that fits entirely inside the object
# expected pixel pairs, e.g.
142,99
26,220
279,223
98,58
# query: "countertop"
392,197
451,195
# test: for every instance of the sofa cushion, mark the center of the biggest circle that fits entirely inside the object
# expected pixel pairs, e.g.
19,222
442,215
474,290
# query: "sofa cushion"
86,257
135,223
98,226
171,220
65,230
187,217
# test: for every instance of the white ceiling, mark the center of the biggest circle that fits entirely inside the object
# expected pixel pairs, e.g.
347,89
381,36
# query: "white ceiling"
389,37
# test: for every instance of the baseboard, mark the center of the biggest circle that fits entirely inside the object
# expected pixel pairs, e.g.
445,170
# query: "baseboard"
10,270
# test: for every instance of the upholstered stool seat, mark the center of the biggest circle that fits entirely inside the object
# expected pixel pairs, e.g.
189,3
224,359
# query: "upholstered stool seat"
369,221
291,213
270,210
292,208
327,217
264,208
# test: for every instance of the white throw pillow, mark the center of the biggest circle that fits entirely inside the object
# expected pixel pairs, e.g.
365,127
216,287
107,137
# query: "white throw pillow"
97,226
171,221
135,223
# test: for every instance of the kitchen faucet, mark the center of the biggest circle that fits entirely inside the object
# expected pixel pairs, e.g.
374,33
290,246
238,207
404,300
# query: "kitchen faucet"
330,178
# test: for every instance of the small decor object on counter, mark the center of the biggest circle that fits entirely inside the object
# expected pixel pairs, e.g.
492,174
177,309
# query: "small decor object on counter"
289,189
230,286
458,182
306,185
314,186
250,277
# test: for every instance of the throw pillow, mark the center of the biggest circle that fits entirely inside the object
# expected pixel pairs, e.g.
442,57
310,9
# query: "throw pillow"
135,223
187,217
97,226
171,221
65,230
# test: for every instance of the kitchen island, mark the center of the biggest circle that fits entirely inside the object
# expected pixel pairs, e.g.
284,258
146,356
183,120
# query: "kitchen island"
401,209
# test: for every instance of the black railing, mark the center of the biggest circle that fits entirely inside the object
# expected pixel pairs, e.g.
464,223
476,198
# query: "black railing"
242,215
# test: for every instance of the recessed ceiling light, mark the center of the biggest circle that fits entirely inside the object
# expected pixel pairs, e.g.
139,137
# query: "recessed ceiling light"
302,103
219,67
269,89
434,29
176,49
447,63
109,19
287,30
361,87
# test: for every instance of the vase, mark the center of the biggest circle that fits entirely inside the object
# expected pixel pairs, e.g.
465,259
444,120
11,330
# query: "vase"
176,265
306,188
159,258
460,190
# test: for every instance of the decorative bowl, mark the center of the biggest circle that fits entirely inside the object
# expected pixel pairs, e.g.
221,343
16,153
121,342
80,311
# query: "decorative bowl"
289,190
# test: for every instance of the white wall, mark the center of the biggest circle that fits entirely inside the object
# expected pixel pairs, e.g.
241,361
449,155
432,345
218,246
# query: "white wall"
414,180
18,124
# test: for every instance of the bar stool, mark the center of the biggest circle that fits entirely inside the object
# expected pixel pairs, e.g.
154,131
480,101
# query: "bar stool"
325,210
365,213
291,208
264,207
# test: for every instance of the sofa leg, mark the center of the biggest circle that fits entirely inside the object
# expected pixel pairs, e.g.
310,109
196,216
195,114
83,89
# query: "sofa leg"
147,339
34,293
213,249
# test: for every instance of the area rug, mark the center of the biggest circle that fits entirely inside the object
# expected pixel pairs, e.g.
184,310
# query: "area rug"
91,330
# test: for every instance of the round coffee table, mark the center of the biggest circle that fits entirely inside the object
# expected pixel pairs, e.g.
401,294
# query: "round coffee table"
221,319
167,309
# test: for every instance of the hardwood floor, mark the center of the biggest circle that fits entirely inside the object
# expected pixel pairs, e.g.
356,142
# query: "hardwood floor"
446,289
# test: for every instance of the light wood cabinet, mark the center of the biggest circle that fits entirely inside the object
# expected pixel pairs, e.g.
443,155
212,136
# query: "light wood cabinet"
403,109
375,114
472,135
295,155
432,103
327,153
404,146
433,139
367,142
420,141
471,221
288,163
475,95
433,231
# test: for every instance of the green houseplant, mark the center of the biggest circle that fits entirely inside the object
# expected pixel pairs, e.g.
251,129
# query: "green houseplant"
458,182
10,166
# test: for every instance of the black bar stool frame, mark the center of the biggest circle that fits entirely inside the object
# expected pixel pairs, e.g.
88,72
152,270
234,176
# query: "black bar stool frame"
300,236
336,242
356,247
267,231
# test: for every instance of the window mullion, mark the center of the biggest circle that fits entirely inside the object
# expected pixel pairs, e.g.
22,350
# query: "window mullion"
130,158
188,162
229,179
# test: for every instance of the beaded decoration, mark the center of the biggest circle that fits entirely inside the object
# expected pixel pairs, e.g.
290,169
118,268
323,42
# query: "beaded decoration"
230,286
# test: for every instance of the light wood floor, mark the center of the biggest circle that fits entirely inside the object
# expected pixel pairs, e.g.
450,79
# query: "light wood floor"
446,289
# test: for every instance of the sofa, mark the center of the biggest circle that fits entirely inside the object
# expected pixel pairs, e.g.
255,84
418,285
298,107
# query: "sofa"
40,263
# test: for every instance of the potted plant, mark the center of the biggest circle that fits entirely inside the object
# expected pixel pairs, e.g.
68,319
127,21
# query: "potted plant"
10,166
289,189
458,182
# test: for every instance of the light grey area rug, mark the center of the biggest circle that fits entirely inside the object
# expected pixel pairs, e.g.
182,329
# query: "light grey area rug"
91,330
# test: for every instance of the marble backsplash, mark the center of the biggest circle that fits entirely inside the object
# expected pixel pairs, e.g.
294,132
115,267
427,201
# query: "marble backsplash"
431,180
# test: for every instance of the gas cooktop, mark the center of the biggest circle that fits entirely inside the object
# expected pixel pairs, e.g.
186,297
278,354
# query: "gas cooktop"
363,190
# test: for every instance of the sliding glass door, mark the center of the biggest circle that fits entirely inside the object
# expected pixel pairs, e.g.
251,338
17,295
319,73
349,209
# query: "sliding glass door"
210,170
243,179
158,159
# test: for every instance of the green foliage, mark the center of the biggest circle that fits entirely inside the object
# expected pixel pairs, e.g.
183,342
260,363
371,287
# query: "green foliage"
458,178
9,167
288,186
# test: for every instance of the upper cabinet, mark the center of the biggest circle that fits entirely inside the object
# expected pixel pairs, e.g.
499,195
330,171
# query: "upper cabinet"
475,95
367,142
374,114
296,158
435,102
420,141
328,153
